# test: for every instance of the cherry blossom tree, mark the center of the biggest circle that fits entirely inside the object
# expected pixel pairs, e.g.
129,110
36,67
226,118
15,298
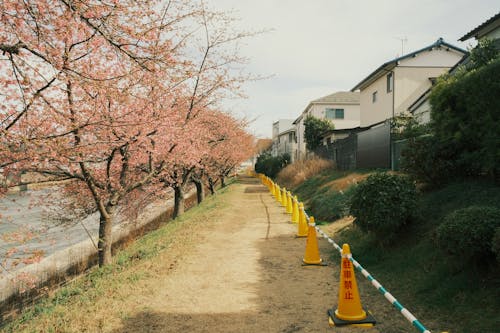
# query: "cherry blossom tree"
111,95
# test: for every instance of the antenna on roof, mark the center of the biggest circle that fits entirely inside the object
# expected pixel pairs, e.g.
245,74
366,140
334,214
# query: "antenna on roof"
403,41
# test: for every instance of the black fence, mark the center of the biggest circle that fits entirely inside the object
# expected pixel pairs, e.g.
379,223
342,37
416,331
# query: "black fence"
364,149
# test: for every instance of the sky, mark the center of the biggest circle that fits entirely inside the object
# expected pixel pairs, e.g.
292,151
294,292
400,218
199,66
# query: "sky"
318,47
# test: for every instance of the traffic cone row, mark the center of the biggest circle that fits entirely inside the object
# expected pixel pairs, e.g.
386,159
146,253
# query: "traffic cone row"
349,310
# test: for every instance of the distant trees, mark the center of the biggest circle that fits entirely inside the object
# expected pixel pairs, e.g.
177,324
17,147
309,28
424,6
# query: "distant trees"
271,165
112,95
314,130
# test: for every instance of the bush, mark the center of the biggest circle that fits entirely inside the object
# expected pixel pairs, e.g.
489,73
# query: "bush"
331,205
495,243
429,160
468,232
270,165
465,116
382,204
296,173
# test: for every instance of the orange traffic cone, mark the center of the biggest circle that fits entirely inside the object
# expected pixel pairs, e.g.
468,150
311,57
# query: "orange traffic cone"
289,206
311,257
302,228
283,197
349,311
272,188
295,212
278,193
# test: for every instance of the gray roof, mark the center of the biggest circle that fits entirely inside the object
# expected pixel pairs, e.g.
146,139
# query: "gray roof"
388,66
340,97
485,27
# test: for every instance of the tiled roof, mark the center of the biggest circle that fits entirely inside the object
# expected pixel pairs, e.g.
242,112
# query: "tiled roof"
339,97
474,31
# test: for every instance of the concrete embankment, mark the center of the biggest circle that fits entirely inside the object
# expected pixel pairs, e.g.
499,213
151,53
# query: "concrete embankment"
71,250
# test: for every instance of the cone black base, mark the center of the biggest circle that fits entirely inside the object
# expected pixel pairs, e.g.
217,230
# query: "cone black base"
322,263
367,322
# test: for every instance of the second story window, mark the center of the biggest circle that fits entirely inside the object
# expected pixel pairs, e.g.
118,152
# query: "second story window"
390,82
334,113
374,97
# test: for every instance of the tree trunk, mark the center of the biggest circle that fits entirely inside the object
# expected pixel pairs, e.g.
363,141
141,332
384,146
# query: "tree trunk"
211,185
105,237
222,181
200,193
178,201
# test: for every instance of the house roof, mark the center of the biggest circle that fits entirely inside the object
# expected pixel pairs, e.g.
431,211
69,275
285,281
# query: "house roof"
419,101
339,97
389,65
483,28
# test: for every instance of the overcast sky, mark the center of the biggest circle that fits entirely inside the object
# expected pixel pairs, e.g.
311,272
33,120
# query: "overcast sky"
318,47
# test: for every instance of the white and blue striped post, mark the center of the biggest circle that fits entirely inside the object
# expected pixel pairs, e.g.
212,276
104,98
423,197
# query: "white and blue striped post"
407,314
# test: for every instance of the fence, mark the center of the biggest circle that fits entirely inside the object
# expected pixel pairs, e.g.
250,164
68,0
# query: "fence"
365,149
285,199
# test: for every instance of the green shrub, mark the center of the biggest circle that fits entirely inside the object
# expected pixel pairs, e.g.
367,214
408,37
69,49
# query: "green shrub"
465,117
382,204
331,205
495,243
468,232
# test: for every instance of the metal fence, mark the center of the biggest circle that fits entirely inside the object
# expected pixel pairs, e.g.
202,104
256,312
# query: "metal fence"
365,149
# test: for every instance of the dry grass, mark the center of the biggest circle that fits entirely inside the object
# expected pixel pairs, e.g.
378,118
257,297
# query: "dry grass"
344,183
295,174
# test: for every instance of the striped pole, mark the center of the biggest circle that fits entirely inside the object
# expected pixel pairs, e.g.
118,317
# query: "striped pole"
407,314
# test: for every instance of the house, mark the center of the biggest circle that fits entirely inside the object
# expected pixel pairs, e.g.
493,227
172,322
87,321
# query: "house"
394,86
489,29
341,108
284,140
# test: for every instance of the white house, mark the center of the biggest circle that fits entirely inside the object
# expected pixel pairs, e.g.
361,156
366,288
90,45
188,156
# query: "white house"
489,29
394,86
341,108
284,140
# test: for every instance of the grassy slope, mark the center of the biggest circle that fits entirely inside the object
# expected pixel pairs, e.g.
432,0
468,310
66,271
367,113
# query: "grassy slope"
450,294
137,262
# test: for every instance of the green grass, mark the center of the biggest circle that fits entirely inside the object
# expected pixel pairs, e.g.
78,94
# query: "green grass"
325,203
453,294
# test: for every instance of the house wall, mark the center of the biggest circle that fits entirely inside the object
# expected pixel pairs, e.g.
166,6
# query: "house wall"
423,112
495,34
411,80
279,127
374,112
287,145
410,83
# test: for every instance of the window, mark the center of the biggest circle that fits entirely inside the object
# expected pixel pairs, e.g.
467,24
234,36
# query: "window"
334,113
374,97
290,137
390,82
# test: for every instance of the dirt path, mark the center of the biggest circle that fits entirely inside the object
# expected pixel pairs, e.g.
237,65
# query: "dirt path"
244,274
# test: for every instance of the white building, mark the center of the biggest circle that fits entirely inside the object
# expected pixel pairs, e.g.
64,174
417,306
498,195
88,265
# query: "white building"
341,108
284,140
397,84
